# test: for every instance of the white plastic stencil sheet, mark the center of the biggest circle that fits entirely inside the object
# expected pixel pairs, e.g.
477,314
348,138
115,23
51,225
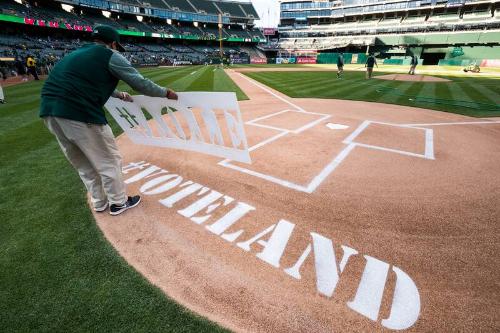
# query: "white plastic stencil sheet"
204,122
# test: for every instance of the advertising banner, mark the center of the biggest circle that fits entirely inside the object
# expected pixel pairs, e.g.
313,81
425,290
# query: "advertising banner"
269,31
280,61
256,60
490,63
240,60
304,60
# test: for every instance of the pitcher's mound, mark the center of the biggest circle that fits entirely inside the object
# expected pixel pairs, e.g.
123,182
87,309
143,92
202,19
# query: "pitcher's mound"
408,77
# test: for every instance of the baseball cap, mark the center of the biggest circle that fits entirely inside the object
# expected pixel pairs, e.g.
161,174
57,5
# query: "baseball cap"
107,34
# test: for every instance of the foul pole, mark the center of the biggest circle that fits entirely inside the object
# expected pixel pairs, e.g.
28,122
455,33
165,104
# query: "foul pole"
221,50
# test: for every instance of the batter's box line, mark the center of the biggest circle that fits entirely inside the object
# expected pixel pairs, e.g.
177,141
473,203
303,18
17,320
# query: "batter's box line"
323,117
332,165
429,140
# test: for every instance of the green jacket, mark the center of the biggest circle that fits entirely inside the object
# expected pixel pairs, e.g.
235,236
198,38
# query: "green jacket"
82,82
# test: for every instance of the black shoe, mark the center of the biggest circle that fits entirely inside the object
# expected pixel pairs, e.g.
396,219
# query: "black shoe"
130,203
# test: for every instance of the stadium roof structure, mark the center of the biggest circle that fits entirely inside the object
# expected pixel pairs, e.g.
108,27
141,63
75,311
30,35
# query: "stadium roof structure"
232,11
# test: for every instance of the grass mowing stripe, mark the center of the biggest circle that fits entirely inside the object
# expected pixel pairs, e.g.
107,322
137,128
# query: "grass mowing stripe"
472,92
411,90
369,90
494,93
162,79
204,81
345,90
19,119
222,82
354,87
15,144
317,78
166,73
181,83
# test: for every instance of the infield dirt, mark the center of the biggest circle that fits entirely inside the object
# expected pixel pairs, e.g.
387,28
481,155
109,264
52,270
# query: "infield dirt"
432,213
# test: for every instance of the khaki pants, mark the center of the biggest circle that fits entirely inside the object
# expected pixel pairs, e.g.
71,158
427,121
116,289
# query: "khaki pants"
92,151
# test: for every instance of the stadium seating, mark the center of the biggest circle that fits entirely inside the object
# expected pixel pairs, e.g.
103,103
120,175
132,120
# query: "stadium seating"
45,48
90,17
249,10
13,8
139,50
206,7
181,5
371,18
230,8
476,16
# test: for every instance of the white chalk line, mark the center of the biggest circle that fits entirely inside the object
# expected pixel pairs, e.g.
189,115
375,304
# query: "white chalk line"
428,154
323,117
283,132
330,167
271,92
455,123
429,140
333,164
429,144
250,122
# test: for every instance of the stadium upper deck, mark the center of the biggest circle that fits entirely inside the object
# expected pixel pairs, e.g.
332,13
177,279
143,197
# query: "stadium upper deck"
338,23
355,17
178,19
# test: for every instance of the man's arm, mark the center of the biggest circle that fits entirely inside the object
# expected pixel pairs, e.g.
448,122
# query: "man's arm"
125,96
123,70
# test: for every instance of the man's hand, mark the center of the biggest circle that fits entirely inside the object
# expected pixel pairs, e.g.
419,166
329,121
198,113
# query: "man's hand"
171,94
124,96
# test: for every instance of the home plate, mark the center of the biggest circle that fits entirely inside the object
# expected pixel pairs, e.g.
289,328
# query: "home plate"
336,126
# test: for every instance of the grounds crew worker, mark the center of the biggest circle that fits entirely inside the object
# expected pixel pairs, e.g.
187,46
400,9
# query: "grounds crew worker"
340,65
3,77
71,107
413,64
2,98
31,64
370,62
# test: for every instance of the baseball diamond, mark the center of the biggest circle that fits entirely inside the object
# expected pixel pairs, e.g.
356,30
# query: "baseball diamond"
174,166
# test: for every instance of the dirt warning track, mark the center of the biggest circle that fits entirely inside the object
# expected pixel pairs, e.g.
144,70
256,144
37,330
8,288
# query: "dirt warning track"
353,216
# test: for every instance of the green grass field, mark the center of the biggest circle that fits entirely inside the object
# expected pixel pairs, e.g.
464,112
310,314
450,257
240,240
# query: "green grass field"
58,273
476,97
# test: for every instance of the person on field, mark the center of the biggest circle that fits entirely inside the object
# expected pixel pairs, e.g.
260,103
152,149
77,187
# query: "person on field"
413,64
72,103
370,63
2,97
340,65
31,64
21,68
